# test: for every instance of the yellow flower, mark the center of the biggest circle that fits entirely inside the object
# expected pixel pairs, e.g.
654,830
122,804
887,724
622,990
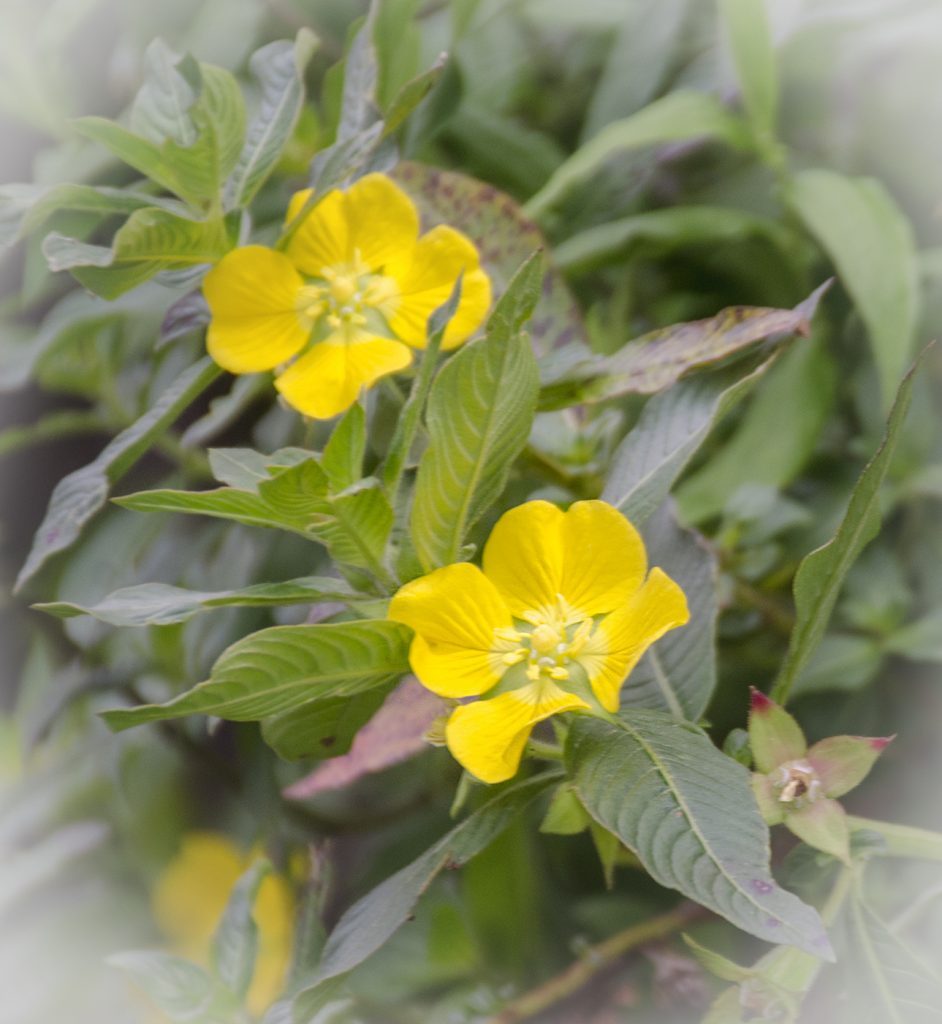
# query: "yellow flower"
190,897
559,616
346,300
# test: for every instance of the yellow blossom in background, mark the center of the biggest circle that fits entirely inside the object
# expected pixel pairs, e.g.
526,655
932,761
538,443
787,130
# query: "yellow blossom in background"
346,301
560,614
191,895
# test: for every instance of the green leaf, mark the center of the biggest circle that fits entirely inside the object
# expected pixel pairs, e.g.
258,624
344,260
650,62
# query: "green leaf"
150,240
673,227
479,416
23,208
181,989
57,424
656,360
161,109
377,916
671,429
871,244
821,574
785,431
822,825
678,674
159,604
342,460
78,496
505,238
322,728
355,526
412,93
676,117
279,70
688,813
750,37
288,500
235,942
277,669
920,640
892,984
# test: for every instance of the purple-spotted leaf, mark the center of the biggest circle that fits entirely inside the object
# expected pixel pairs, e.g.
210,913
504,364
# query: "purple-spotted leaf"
823,825
505,237
843,762
775,737
656,360
394,734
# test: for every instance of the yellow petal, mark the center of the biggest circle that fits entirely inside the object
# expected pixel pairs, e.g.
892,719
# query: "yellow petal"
488,737
591,555
193,889
322,239
252,294
327,380
604,560
426,277
373,222
620,639
454,612
274,915
523,556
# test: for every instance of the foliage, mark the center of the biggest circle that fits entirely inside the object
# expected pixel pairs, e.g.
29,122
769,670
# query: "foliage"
713,291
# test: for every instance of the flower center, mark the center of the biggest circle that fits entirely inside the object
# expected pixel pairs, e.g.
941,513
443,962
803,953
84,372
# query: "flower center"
549,646
345,296
797,782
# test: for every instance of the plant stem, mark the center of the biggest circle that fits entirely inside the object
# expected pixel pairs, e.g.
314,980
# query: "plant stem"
409,417
901,840
595,959
545,751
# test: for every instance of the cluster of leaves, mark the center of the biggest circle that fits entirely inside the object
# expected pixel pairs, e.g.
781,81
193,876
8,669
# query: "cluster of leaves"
621,403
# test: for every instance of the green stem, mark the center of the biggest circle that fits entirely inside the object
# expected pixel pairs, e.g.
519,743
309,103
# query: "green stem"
595,959
544,751
901,840
409,418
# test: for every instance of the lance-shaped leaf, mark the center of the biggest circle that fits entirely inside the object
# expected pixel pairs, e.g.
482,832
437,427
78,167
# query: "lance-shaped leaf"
747,27
278,669
160,604
676,117
172,83
151,240
891,983
287,500
279,70
322,728
656,360
678,673
821,573
480,412
377,916
184,991
871,243
23,208
670,430
235,942
354,526
78,496
688,813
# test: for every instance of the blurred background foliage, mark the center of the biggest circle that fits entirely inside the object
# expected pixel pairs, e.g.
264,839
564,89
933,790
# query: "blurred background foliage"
653,235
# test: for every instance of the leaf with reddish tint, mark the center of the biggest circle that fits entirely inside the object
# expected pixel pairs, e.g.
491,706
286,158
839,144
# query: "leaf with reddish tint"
775,737
394,734
843,762
656,360
505,237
